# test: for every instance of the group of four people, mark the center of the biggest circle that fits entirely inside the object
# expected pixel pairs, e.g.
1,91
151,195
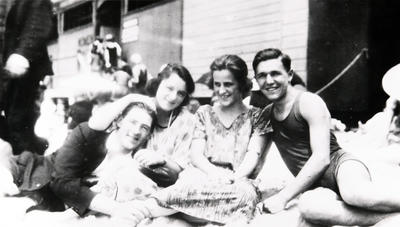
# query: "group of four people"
203,165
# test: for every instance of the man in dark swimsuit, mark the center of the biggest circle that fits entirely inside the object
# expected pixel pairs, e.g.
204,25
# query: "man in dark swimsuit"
301,131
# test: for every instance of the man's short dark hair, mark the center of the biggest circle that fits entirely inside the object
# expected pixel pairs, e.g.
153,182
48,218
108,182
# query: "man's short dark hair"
272,53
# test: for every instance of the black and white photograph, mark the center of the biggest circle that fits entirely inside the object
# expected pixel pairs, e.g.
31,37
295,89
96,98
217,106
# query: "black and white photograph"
199,113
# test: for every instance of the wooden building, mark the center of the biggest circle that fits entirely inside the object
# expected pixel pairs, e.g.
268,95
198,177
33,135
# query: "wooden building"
322,37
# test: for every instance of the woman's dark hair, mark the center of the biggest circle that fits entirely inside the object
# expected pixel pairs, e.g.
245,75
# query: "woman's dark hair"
181,71
142,106
235,65
271,53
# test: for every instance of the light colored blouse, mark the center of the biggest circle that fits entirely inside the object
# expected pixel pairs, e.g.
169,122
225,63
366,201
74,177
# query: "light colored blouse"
174,141
227,146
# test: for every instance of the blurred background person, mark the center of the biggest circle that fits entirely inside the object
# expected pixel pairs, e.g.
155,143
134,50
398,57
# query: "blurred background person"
25,61
140,75
97,55
112,53
193,105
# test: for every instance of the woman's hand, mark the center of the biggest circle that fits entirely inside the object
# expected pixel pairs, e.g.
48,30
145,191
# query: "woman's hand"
149,158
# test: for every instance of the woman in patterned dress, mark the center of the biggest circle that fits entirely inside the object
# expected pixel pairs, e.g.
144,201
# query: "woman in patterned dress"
166,153
226,152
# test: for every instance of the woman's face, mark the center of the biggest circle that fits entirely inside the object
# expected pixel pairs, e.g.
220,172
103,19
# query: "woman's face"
171,93
134,128
226,88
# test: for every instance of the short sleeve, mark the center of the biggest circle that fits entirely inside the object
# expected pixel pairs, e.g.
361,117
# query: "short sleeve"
261,120
200,121
183,140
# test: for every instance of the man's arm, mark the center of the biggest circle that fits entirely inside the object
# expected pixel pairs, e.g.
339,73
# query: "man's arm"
68,163
314,111
105,115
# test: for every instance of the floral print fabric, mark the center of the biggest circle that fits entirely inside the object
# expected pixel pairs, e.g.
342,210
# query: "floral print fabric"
227,146
174,141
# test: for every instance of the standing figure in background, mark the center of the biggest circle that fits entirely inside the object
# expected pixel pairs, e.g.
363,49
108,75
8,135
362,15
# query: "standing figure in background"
139,73
24,30
112,53
97,55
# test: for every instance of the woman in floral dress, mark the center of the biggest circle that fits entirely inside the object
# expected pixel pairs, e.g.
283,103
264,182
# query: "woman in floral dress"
226,153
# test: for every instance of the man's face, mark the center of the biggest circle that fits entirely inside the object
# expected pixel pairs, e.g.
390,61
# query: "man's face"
134,129
273,79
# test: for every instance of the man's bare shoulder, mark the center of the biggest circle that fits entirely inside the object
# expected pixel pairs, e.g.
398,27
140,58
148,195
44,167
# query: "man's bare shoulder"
312,105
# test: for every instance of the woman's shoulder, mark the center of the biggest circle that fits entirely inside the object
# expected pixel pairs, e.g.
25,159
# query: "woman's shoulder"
261,118
254,112
185,116
205,108
185,113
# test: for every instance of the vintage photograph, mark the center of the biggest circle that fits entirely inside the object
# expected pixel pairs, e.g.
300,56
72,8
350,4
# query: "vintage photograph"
187,113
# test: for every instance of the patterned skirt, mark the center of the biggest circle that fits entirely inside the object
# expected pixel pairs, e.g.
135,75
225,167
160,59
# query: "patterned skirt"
209,200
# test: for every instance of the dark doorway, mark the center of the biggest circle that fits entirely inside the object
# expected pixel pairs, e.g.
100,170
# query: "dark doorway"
384,46
338,31
109,15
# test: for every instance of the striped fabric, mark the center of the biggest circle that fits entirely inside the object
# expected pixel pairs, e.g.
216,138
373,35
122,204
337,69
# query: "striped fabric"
212,201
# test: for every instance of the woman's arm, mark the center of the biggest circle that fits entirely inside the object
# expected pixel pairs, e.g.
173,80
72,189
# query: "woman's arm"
256,147
200,161
197,156
104,116
259,144
160,169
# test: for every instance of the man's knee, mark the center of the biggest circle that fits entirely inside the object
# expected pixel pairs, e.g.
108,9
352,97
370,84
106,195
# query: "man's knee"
353,197
354,182
314,204
363,197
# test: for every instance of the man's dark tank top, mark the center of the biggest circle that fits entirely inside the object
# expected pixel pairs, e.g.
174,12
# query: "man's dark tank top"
292,138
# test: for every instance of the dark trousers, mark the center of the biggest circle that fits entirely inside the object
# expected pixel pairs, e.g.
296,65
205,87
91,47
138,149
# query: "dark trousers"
18,101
